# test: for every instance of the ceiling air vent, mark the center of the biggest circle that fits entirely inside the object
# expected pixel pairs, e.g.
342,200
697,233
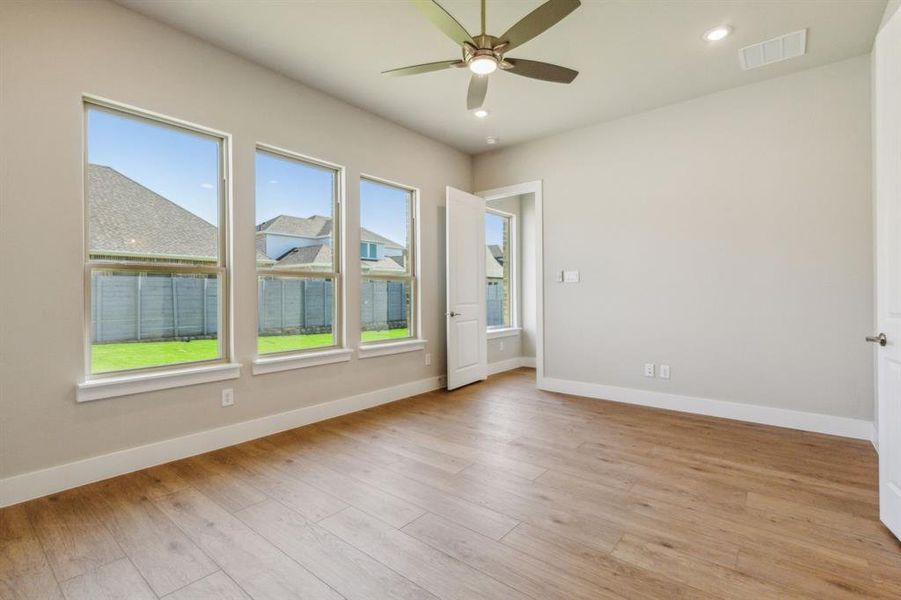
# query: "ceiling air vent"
775,50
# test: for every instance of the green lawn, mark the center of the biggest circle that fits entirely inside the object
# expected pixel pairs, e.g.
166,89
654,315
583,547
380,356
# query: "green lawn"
135,355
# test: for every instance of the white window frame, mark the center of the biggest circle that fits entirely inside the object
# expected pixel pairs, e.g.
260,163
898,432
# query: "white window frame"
320,355
414,341
127,381
513,328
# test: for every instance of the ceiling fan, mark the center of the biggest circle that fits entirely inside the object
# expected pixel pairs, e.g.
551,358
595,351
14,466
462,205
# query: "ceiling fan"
484,53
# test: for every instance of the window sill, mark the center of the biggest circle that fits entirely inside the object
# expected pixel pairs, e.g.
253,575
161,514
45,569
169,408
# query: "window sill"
386,349
493,334
126,385
273,364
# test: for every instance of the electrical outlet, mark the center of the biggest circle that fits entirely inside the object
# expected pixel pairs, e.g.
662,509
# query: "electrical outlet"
648,369
500,346
428,358
664,371
228,397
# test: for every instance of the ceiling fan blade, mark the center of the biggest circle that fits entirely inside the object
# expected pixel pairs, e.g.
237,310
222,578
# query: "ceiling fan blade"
424,68
537,22
541,70
443,20
478,87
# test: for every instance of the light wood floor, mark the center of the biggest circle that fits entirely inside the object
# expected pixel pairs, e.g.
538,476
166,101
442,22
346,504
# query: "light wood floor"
493,491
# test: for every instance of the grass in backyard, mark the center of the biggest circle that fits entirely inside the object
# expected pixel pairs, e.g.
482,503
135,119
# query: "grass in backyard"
385,334
136,355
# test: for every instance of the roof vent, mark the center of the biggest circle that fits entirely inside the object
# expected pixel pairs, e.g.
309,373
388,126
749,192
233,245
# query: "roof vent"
775,50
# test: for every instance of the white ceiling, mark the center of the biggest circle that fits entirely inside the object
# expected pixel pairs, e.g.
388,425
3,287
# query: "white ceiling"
632,55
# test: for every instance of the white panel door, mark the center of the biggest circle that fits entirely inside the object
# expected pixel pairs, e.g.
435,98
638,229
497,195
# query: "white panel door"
467,343
887,130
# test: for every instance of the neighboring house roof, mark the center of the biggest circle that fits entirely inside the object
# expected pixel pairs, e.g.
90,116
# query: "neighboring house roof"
497,252
493,269
262,257
320,257
127,218
316,226
306,256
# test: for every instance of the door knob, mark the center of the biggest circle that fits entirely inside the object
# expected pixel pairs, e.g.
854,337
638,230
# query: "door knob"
878,339
453,314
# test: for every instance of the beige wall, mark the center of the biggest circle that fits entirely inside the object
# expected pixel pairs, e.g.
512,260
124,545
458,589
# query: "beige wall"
729,236
52,53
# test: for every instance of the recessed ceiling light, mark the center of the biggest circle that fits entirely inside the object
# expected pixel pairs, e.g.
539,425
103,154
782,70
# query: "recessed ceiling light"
481,113
717,33
491,140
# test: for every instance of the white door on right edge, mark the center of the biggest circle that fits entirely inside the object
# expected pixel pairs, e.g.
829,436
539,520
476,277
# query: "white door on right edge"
887,160
467,343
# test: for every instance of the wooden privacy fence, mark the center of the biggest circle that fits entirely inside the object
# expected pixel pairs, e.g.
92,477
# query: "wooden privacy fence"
136,306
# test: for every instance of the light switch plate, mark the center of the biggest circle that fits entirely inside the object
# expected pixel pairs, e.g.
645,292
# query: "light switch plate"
570,276
648,369
663,371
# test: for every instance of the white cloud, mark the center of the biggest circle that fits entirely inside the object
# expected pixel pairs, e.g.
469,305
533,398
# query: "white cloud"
207,186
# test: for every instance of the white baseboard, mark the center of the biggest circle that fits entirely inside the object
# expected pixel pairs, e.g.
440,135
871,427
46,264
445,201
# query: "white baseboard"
511,363
767,415
35,484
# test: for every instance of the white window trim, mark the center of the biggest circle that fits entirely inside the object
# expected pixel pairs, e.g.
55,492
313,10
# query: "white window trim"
416,341
274,364
502,332
373,349
176,372
298,359
514,274
114,387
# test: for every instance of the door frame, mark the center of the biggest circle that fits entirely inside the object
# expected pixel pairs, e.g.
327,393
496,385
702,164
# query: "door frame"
535,188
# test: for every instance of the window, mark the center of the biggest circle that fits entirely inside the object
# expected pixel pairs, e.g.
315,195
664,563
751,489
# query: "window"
498,266
387,262
297,248
156,268
369,251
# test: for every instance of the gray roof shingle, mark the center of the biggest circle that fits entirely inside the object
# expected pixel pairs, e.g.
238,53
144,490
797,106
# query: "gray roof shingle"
127,218
316,226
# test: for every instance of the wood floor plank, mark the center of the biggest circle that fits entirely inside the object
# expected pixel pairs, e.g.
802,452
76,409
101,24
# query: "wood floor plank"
74,538
351,572
444,576
506,564
118,580
261,569
391,509
163,555
602,569
25,573
217,586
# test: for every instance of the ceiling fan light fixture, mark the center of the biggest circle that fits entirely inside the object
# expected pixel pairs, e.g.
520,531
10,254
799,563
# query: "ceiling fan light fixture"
483,65
717,33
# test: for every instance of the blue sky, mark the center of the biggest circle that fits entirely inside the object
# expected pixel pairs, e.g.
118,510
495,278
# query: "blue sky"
184,167
494,229
178,165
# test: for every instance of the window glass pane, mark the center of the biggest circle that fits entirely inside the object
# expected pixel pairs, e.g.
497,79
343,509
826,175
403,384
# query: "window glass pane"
295,232
295,203
295,313
497,269
385,309
385,224
153,318
153,191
